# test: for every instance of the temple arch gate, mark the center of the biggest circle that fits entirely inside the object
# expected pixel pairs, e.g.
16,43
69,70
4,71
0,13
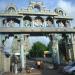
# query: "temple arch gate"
29,23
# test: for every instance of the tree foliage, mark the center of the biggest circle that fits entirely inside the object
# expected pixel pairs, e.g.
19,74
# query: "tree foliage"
38,49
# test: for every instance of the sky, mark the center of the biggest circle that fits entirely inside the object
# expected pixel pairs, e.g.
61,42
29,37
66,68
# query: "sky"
67,5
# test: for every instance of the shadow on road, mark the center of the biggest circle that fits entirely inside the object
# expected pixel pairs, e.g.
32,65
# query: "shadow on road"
49,72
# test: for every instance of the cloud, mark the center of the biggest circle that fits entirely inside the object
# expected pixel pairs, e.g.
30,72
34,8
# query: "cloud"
65,5
42,39
50,4
3,5
19,3
68,7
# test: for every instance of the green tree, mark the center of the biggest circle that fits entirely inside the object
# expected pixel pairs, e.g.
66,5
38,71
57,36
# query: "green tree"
38,49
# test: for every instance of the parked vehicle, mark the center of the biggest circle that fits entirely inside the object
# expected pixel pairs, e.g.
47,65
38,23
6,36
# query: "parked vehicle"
70,68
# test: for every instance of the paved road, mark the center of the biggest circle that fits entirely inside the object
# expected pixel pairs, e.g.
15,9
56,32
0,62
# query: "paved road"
34,72
48,70
37,72
45,71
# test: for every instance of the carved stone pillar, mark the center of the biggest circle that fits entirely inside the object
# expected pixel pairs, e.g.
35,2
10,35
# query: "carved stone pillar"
22,52
73,45
0,41
33,22
1,60
70,49
16,44
1,22
26,43
55,50
22,47
45,23
26,46
55,24
21,22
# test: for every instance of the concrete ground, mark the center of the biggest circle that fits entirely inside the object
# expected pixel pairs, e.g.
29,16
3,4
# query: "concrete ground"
34,72
45,71
37,72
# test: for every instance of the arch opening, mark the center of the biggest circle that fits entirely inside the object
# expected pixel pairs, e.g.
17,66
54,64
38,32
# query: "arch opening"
63,23
27,21
27,18
37,6
49,21
38,21
11,22
11,9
